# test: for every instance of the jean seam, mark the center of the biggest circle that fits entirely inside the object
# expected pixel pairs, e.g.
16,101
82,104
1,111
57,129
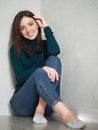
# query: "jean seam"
51,99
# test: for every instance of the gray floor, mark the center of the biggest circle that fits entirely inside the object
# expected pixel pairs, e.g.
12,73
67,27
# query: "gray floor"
21,123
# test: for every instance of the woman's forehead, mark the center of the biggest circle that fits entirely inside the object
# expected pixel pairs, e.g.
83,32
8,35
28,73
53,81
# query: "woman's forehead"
26,20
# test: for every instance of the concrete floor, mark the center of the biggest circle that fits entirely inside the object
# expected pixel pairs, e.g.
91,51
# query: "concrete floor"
25,123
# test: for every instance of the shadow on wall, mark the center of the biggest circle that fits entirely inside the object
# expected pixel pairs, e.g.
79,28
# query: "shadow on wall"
13,80
11,72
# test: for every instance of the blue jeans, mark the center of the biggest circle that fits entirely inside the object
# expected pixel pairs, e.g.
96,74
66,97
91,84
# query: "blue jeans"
25,100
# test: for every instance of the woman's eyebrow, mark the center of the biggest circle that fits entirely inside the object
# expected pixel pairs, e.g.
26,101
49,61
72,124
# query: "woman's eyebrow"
31,21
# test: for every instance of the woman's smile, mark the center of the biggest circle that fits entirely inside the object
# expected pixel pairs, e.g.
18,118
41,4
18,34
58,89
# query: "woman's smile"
29,28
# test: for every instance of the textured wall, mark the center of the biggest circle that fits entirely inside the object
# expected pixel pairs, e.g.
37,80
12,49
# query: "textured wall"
75,24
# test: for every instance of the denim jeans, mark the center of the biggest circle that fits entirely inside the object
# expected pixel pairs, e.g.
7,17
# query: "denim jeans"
25,100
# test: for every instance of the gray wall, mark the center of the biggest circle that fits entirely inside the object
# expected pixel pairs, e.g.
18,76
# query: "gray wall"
75,24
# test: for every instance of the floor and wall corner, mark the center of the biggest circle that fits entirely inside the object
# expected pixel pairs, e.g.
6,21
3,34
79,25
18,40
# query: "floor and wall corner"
75,27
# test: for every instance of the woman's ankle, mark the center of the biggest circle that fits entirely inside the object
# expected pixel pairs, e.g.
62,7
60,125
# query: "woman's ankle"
68,117
66,114
39,111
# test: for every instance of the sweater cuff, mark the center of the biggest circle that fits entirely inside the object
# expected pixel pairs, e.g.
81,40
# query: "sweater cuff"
48,32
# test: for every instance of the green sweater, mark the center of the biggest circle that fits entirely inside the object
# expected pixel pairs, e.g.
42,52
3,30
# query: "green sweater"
23,67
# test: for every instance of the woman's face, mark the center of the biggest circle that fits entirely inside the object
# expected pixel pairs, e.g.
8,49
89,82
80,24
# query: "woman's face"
28,28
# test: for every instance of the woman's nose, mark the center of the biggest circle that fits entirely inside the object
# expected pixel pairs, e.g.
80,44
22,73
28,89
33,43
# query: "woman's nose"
27,29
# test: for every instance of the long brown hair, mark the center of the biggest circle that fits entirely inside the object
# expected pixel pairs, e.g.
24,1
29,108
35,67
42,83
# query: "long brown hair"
17,39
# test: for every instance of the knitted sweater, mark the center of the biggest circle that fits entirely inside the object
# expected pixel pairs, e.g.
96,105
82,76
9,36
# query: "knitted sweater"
23,67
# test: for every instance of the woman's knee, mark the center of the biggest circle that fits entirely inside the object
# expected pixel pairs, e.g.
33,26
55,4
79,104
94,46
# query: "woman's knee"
54,62
39,74
54,58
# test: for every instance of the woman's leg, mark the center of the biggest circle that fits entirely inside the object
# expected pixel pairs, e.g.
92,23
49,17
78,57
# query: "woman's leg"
25,100
54,62
68,117
51,96
39,112
66,114
40,109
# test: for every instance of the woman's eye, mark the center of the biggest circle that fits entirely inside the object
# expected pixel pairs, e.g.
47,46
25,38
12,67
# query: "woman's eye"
31,24
21,29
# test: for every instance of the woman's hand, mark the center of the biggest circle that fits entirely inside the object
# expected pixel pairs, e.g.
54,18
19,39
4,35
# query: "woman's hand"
52,73
41,21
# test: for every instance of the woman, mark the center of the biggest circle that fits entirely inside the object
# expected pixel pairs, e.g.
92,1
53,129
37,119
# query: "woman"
37,70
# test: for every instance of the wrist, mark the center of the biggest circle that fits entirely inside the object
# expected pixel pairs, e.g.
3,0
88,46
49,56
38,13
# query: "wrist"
44,26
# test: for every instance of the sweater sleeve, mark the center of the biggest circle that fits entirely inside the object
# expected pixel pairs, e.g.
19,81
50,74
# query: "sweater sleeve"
52,45
20,74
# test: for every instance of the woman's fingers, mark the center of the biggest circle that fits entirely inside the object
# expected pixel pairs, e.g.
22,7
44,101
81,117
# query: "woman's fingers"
52,73
41,21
